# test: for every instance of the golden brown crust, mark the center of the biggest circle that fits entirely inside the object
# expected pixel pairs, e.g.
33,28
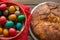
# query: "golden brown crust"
45,21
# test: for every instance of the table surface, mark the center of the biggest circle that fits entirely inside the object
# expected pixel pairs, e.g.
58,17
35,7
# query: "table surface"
32,4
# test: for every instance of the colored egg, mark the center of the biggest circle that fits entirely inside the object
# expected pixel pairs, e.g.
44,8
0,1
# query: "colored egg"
1,30
11,9
21,18
17,13
9,24
12,17
5,12
0,13
17,8
3,20
3,6
12,32
5,32
19,26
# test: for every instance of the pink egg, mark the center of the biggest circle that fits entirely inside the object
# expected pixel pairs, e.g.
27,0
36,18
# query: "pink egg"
2,20
3,6
12,32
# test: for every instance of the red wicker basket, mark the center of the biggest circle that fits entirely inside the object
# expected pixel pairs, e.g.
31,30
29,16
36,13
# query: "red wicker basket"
22,35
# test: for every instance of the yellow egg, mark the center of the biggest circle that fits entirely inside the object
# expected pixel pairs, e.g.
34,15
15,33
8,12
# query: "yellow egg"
12,17
5,32
1,30
11,9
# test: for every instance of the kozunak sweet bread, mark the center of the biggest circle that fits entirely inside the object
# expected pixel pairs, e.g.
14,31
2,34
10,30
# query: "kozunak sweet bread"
45,21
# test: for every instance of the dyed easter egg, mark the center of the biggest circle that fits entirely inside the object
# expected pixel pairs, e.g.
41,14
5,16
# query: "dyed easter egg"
2,20
1,30
5,32
17,8
9,24
12,17
21,18
5,12
17,13
11,9
12,32
3,6
19,26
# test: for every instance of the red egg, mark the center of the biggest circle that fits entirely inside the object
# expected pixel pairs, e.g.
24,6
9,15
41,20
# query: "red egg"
12,32
3,6
2,20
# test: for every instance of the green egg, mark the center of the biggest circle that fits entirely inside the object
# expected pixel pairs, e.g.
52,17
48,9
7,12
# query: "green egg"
21,18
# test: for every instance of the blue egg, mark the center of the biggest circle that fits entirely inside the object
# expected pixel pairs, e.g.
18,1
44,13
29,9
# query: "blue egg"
19,26
9,24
